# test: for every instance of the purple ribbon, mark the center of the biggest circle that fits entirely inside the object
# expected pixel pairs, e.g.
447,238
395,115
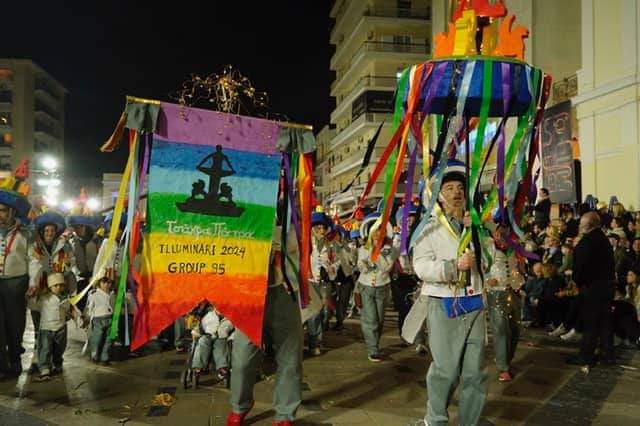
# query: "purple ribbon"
433,88
292,199
520,250
408,190
506,95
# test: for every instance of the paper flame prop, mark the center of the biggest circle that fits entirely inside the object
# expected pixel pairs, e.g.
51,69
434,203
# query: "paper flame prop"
475,30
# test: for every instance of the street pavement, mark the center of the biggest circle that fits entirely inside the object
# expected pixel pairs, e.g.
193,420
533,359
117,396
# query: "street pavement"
341,387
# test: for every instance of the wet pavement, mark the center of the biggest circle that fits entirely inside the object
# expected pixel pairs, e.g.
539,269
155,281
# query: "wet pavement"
341,387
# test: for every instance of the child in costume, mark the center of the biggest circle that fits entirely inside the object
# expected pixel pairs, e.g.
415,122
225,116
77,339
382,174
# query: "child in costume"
374,284
99,311
210,338
51,252
55,310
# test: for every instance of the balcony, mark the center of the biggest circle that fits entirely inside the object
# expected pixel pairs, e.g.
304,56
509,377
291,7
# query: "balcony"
46,97
365,121
366,82
392,51
394,12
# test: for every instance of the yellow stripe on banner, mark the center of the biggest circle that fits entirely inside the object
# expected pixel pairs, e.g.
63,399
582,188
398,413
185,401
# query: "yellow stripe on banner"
170,253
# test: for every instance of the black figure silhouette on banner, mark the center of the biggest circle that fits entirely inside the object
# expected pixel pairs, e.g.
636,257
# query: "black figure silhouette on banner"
210,202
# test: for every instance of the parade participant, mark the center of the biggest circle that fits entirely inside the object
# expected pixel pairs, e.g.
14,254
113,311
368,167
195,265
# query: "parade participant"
14,277
346,258
55,310
85,248
373,283
210,340
282,323
455,313
99,311
323,271
504,306
354,245
112,266
404,282
51,253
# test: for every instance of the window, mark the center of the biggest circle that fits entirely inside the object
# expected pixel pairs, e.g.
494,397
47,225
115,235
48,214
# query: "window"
404,8
401,39
5,162
6,96
6,74
40,146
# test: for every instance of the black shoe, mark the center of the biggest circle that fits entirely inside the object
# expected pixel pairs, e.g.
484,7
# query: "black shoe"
105,363
375,358
337,326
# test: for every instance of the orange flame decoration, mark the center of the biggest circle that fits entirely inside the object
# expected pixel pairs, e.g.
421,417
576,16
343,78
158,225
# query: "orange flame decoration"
460,39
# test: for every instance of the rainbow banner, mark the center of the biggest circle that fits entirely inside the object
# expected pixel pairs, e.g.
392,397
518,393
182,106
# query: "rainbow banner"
213,183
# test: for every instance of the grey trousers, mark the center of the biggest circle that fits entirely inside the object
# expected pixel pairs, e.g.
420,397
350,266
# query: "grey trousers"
13,316
282,324
179,332
457,347
504,316
99,342
315,324
374,301
205,345
51,347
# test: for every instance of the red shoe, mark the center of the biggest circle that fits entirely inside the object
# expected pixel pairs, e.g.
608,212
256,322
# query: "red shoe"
282,423
236,419
505,376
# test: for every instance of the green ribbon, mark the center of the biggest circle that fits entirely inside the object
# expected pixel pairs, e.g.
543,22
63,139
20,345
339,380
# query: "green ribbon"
398,112
122,288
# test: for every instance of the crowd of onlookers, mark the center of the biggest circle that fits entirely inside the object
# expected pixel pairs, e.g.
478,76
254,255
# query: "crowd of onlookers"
551,296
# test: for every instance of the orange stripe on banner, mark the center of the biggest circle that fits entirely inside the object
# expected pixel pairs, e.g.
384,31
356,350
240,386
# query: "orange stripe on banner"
238,297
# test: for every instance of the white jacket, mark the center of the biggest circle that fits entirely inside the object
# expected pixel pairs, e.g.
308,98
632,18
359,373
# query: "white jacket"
99,304
379,273
323,255
15,252
85,254
112,264
435,259
346,258
54,310
216,325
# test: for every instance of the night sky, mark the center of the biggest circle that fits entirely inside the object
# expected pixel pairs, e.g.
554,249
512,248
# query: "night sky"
103,50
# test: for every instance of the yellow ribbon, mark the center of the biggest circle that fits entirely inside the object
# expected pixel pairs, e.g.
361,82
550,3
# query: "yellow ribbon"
111,244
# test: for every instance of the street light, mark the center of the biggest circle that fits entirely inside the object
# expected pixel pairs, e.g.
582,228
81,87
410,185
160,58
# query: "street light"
49,163
93,204
68,204
50,180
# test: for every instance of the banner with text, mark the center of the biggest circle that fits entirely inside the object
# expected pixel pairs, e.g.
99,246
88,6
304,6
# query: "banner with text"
213,184
558,174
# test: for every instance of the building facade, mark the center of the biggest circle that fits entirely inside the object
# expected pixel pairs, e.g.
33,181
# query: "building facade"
31,115
607,101
374,40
